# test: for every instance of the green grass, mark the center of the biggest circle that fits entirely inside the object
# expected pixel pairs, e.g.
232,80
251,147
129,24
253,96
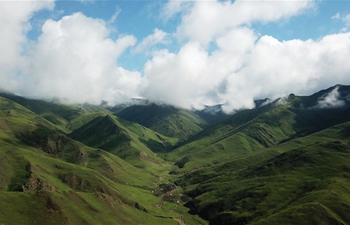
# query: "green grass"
277,164
167,120
48,178
297,186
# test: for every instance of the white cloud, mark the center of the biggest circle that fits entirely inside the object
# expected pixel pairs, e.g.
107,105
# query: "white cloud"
238,74
14,17
148,42
343,18
331,100
75,60
173,7
207,20
74,57
336,16
115,15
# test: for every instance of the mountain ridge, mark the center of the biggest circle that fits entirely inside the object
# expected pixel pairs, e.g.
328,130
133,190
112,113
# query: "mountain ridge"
284,162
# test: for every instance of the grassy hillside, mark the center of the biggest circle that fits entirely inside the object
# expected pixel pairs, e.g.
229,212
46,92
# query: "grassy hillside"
49,178
66,117
167,120
130,141
286,162
305,181
257,129
283,163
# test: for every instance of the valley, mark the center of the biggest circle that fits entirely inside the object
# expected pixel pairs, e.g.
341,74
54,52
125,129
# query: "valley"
284,162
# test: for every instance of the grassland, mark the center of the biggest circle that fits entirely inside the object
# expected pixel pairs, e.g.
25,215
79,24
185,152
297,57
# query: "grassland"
48,178
287,162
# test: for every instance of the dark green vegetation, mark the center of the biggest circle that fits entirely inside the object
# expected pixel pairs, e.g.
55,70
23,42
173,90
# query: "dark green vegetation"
286,162
167,120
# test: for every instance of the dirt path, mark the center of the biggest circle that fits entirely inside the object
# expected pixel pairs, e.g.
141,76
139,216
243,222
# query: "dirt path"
180,222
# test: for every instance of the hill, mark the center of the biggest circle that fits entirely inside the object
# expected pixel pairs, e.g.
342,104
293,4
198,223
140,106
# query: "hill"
132,142
48,178
251,130
283,163
302,181
167,120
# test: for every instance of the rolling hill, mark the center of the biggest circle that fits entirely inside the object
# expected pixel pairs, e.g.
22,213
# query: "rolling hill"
283,162
48,178
167,120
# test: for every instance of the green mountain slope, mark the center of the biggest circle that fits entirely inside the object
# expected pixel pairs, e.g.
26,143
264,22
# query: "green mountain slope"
283,163
130,141
253,130
49,178
286,162
167,120
306,182
66,117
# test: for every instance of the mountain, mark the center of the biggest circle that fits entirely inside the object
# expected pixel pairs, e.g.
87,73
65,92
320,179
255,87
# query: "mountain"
212,114
132,142
284,162
67,117
167,120
302,181
251,130
46,177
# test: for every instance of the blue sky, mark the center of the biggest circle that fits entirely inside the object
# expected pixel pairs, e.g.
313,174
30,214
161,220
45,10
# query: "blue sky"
140,18
184,53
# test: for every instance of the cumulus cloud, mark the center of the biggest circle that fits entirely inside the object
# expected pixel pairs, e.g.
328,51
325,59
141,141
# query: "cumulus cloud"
14,17
331,100
244,65
236,74
208,19
148,42
75,60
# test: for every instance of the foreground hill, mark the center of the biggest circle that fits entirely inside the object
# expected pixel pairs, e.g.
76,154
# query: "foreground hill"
48,178
283,163
302,181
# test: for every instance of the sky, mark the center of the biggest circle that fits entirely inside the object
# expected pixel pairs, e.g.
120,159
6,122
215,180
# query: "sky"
184,53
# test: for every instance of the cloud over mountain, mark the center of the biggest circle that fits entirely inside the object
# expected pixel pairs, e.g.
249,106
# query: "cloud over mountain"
221,57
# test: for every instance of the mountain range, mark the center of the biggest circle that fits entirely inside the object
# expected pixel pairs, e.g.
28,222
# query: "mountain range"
286,161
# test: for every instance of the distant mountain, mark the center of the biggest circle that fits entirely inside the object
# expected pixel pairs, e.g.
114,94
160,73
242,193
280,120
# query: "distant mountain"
212,114
266,126
167,120
261,102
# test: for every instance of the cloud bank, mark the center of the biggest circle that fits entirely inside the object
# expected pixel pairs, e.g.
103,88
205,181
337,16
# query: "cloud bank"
221,60
331,100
